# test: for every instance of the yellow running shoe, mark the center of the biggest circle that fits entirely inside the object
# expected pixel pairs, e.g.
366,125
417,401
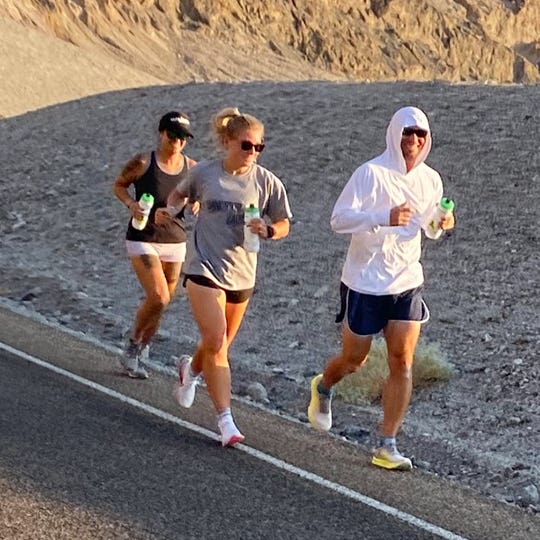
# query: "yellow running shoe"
390,458
320,407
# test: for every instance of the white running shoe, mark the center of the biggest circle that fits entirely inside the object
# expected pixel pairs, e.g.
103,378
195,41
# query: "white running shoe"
388,457
320,407
184,389
230,434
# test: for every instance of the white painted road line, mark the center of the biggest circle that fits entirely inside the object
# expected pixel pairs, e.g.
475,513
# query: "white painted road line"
306,475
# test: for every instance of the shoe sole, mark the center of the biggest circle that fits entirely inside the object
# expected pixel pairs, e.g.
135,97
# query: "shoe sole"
314,405
234,440
178,386
141,376
131,374
388,465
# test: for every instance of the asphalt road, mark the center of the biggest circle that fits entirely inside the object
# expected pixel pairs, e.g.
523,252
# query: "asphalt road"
103,469
76,463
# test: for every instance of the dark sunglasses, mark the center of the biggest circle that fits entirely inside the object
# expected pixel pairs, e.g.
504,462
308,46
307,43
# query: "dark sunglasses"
173,136
408,131
248,145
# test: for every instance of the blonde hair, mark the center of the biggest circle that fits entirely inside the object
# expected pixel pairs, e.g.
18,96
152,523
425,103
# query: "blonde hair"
228,122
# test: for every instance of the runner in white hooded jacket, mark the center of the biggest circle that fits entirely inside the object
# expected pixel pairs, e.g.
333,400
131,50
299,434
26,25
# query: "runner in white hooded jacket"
384,206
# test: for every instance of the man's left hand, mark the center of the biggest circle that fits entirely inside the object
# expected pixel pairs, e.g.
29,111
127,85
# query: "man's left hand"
447,222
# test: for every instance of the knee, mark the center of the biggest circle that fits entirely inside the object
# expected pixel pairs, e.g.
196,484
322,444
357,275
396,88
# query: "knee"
213,343
400,365
159,300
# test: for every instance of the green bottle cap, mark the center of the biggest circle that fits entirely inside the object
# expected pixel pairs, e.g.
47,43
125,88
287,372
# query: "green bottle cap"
147,198
447,204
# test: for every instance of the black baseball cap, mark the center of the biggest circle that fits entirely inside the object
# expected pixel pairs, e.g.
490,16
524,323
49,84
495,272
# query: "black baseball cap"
177,123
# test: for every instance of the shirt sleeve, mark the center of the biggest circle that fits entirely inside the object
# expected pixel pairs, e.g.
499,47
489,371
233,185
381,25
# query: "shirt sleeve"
277,205
436,196
353,211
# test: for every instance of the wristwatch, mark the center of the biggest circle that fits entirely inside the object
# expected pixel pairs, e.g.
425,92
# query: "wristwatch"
270,232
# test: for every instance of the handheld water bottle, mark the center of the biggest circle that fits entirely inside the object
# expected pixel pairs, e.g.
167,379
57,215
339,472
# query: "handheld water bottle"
145,203
445,207
251,240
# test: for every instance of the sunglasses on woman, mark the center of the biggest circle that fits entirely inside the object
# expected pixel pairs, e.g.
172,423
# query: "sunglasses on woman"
246,146
408,131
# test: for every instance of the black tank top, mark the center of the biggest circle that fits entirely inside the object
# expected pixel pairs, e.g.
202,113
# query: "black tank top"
159,184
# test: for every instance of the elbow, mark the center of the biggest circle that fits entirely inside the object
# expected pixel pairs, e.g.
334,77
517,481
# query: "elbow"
335,224
281,228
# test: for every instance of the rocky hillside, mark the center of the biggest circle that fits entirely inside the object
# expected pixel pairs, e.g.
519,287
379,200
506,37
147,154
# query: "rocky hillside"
126,44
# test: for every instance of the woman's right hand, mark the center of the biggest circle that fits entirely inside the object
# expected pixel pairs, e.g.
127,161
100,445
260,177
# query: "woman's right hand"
135,210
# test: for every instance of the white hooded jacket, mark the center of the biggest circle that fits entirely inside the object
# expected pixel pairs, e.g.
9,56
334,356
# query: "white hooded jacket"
382,259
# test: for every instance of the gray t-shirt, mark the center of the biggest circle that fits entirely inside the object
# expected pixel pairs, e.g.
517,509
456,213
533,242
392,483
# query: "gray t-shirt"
215,249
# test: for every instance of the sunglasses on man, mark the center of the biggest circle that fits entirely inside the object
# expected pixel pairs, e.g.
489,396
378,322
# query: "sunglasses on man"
408,131
173,136
246,146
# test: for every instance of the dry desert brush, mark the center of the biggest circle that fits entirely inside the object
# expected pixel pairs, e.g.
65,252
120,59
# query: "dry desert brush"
365,386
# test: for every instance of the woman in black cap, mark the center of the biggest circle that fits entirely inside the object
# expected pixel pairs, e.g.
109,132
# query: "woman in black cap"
158,250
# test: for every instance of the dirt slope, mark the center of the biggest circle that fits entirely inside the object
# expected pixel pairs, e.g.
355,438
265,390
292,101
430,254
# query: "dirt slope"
73,48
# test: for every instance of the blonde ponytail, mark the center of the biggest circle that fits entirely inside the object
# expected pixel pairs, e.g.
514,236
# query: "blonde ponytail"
229,121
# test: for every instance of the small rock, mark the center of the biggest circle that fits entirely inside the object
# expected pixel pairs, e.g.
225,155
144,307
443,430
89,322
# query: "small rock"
321,291
162,335
527,495
257,391
356,433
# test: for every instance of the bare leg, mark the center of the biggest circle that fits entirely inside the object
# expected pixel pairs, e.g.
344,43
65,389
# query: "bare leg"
401,339
172,270
353,354
158,281
218,324
234,314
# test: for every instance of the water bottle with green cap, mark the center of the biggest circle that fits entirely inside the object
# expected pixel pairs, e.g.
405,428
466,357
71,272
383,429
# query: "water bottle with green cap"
145,204
444,208
251,240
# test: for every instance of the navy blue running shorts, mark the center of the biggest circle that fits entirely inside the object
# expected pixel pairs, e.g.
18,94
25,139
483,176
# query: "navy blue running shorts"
367,314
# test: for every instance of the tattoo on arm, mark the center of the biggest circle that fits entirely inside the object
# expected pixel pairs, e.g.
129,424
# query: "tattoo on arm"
133,169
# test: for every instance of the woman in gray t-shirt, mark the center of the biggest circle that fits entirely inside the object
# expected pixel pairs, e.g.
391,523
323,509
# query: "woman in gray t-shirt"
220,273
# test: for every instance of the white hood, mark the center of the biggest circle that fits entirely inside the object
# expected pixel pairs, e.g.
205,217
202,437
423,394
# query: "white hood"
384,259
405,117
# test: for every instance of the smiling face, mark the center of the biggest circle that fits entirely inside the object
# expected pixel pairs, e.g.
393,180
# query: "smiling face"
413,139
244,148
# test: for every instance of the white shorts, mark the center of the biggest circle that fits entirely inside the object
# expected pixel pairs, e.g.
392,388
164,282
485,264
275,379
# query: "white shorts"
165,252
